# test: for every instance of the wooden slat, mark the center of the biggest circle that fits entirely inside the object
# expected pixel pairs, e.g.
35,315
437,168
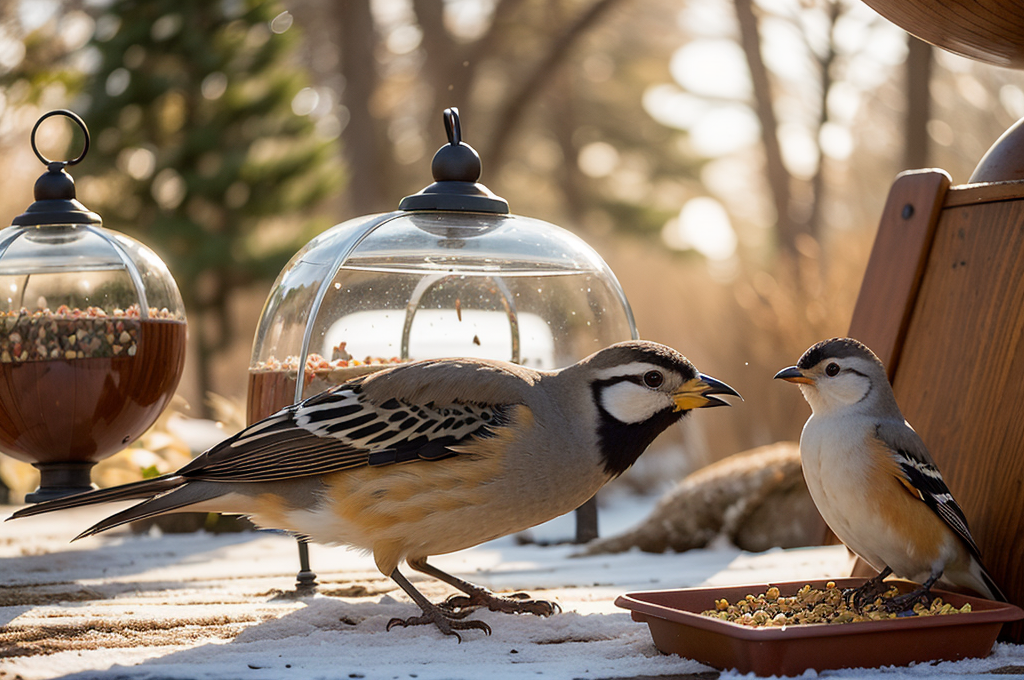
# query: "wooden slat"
897,261
988,192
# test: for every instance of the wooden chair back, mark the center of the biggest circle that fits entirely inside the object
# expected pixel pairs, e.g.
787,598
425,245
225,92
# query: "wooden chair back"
942,304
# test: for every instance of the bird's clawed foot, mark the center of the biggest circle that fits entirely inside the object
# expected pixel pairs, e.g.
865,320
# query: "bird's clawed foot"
903,605
516,603
864,595
873,591
868,592
447,622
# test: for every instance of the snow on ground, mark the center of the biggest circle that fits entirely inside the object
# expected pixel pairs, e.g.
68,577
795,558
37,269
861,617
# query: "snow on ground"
202,606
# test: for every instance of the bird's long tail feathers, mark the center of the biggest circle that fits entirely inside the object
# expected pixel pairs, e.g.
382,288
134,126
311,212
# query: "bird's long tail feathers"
169,501
994,592
145,488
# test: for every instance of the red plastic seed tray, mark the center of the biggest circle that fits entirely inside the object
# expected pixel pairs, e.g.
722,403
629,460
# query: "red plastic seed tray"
677,627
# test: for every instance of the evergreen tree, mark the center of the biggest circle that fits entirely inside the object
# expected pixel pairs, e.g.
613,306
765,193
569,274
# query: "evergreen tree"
202,147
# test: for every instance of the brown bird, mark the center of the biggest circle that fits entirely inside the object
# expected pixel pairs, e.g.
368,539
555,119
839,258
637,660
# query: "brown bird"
431,457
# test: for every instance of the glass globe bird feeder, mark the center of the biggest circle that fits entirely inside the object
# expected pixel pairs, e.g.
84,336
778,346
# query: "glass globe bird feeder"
450,273
92,334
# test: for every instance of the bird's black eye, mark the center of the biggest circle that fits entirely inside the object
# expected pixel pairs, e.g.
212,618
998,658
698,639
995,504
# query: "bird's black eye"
653,379
832,370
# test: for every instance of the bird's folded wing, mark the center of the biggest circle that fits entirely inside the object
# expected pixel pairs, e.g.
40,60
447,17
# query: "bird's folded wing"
341,429
452,381
922,478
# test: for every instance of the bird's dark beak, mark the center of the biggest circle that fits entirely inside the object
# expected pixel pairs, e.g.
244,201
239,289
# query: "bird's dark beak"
699,393
794,375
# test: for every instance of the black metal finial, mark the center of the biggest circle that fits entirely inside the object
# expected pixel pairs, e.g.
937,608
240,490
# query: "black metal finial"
456,168
455,161
55,190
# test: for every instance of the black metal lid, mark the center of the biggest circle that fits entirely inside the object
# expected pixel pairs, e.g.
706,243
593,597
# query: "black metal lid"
456,169
55,190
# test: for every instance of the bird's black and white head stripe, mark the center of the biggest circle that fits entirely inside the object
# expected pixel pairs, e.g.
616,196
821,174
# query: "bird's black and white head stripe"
624,395
633,410
840,372
835,348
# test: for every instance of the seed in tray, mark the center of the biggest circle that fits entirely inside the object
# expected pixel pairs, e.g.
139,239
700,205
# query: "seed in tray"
811,605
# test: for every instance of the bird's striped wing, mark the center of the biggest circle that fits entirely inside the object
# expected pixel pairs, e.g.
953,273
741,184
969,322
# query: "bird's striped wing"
922,478
341,429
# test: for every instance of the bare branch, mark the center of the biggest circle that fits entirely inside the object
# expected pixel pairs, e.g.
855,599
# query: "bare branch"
534,83
450,66
366,157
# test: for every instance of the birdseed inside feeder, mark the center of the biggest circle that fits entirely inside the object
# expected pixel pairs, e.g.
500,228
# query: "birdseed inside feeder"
92,334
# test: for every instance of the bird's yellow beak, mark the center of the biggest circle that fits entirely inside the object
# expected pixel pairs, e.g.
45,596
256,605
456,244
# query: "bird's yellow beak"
699,393
794,375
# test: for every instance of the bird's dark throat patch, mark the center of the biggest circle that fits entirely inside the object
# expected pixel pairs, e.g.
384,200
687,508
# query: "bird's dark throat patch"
621,444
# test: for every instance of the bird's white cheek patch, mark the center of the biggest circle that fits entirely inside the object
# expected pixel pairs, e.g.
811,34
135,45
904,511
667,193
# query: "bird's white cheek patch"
630,403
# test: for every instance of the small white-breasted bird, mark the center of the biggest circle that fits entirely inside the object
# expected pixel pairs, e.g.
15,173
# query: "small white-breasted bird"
872,479
431,457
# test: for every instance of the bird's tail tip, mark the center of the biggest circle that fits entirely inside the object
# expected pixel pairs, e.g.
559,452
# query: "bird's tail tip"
995,593
141,489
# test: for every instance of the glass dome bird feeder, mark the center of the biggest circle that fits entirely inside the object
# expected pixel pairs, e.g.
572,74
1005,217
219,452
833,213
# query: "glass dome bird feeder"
92,334
450,273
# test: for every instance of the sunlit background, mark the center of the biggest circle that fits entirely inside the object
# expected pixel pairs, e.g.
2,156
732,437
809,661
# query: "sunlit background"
728,158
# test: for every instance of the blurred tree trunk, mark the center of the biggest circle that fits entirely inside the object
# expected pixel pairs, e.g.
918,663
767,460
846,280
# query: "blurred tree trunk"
918,71
213,330
825,79
563,126
779,177
204,356
443,57
366,156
